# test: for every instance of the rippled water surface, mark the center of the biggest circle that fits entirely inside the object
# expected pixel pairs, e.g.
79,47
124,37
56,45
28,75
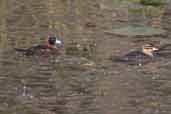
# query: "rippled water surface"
36,85
85,80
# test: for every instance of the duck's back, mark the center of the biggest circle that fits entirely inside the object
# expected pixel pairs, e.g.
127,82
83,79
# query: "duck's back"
134,57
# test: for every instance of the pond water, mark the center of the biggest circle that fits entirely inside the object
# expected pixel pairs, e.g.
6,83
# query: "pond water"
74,84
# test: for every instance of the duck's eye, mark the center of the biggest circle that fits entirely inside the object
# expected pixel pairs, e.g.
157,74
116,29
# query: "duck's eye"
51,40
149,48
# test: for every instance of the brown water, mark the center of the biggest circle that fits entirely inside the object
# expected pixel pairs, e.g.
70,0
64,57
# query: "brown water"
74,84
36,85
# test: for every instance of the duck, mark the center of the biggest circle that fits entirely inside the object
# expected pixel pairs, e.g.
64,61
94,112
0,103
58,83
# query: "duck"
51,45
138,57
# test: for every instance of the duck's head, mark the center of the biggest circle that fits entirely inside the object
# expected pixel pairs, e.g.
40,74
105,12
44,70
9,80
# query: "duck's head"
148,49
55,42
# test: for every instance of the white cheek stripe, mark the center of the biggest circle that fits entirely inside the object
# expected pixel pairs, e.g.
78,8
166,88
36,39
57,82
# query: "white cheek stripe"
58,42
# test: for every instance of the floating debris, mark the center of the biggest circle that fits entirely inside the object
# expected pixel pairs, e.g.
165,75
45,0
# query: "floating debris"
86,50
90,25
89,64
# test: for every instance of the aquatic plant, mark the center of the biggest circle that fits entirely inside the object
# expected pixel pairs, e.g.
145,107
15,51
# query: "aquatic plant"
152,2
86,50
153,11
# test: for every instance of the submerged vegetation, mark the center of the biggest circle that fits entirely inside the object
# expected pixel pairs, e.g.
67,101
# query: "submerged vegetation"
142,2
152,2
147,7
86,50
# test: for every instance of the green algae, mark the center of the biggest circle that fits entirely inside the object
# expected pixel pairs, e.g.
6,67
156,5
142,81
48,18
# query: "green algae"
138,31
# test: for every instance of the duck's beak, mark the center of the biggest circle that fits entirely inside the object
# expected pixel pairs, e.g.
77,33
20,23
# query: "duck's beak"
155,49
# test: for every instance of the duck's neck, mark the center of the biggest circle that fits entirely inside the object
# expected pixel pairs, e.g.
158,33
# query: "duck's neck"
149,53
